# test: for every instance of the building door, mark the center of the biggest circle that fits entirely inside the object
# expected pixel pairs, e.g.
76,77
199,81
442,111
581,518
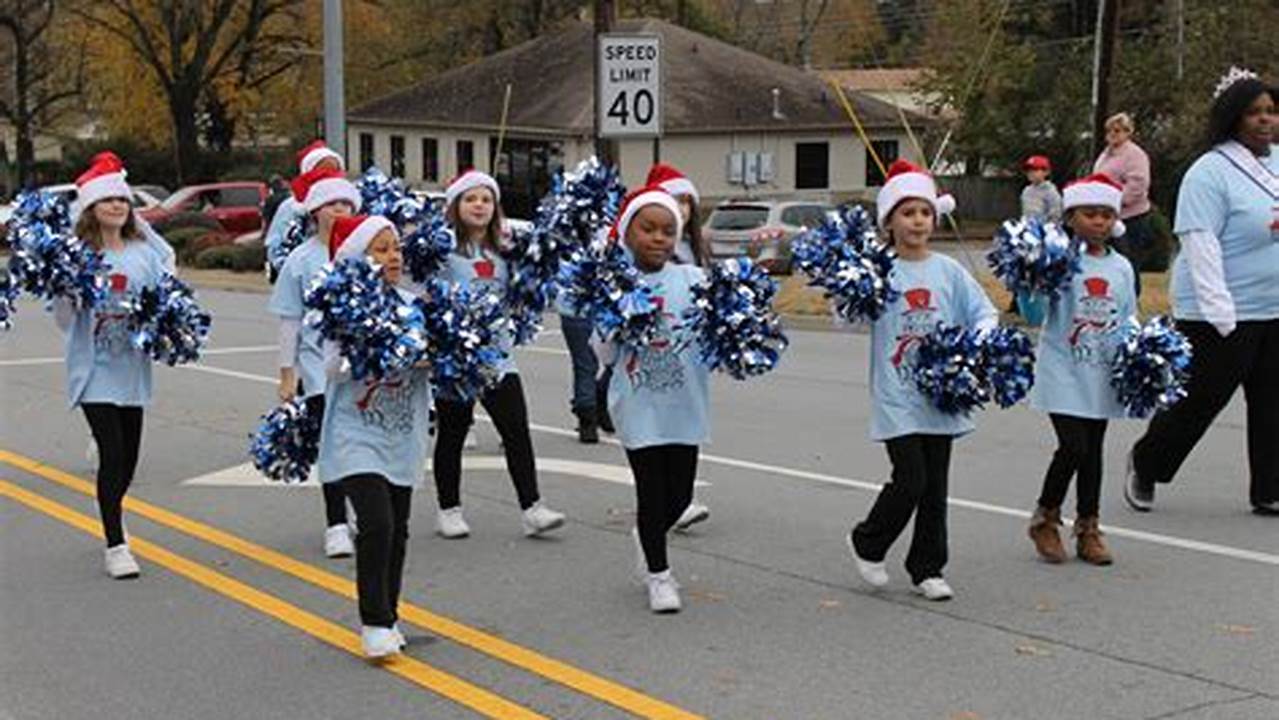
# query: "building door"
524,171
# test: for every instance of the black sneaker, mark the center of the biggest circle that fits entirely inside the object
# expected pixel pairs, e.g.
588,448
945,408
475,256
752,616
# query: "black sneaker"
1139,495
587,433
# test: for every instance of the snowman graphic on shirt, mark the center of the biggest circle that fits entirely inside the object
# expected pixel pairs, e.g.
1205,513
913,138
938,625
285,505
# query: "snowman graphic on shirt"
387,403
918,319
111,320
657,366
1092,327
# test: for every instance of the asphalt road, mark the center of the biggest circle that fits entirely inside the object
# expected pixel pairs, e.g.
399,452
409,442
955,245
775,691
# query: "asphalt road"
238,614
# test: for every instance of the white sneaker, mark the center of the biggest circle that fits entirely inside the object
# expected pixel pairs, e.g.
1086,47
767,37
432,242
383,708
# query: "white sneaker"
663,592
120,564
337,541
400,640
539,519
873,573
935,589
450,524
470,443
695,512
641,560
379,642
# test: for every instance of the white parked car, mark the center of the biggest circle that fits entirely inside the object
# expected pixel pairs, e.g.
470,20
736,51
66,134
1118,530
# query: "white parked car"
762,229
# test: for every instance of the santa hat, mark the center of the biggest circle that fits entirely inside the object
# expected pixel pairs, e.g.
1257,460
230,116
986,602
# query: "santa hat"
668,178
104,179
1037,162
321,186
469,180
906,181
352,234
1099,190
641,198
316,153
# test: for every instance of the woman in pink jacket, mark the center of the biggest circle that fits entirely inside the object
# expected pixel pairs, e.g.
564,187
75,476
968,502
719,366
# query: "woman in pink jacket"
1125,162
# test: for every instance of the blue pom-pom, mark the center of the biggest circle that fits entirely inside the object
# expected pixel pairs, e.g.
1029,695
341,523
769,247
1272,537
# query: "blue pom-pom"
8,296
947,369
733,319
377,331
286,443
580,203
381,195
844,258
601,283
463,329
427,245
298,231
1151,367
167,323
1008,363
47,260
1033,257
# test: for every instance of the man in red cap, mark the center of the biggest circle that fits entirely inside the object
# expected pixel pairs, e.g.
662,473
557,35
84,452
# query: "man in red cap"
1040,198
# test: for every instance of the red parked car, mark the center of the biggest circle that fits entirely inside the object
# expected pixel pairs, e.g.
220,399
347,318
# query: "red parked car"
236,206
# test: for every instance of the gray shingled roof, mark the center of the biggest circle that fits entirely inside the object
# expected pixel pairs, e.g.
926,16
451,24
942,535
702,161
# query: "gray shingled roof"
709,86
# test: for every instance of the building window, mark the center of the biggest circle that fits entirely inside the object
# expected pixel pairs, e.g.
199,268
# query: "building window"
397,156
430,160
366,151
524,171
465,156
812,166
887,152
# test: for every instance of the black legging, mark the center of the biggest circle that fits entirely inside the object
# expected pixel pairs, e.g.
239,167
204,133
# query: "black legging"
505,404
663,488
1080,442
380,544
1249,356
921,468
118,432
334,498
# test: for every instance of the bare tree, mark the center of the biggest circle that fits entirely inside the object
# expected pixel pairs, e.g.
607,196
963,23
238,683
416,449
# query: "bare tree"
40,83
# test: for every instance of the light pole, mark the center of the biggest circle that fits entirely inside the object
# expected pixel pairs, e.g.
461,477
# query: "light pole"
334,89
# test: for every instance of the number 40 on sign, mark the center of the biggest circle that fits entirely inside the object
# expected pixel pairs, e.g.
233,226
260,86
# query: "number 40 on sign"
629,99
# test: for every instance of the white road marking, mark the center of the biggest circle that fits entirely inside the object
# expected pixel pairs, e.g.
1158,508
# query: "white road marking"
1172,541
247,349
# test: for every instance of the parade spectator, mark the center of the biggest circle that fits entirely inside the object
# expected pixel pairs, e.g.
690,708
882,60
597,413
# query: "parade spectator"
1225,287
1125,162
1040,198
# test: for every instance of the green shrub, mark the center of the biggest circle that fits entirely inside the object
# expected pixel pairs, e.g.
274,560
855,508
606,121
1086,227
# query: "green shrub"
1164,243
236,258
194,247
182,237
186,219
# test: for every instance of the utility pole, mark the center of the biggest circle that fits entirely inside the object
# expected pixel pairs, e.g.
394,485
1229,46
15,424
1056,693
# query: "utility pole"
1103,59
605,12
334,86
1181,39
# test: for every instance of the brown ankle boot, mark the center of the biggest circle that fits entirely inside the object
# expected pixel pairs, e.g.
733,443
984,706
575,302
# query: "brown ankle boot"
1043,531
1088,543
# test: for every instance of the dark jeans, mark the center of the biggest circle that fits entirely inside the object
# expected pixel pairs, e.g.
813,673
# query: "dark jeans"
1248,357
1080,442
334,498
663,488
921,465
505,404
577,335
380,544
1137,244
118,432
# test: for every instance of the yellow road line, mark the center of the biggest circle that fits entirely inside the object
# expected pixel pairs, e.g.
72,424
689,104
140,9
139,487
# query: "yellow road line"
584,682
415,671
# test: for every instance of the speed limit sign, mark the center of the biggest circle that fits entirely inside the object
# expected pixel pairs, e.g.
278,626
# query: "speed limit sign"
629,96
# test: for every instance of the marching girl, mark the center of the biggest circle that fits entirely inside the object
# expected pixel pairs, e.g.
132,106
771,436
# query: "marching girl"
918,436
472,207
107,377
373,445
659,393
327,195
313,156
691,249
1073,368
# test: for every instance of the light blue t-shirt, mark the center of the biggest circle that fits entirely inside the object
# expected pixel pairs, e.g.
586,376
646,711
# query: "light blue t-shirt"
484,270
102,364
660,394
376,426
1082,333
1219,198
288,209
287,301
935,289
